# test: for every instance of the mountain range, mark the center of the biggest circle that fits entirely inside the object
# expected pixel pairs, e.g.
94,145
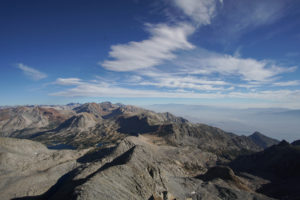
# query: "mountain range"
279,123
116,151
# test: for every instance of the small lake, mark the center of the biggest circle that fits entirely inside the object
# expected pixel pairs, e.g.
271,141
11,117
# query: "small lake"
99,144
61,146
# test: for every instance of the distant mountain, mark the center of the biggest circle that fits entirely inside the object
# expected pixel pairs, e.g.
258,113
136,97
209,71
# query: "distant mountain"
73,104
3,107
295,113
262,140
23,121
296,143
274,122
93,123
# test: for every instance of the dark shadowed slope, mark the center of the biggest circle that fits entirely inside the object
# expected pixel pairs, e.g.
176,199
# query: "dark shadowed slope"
280,164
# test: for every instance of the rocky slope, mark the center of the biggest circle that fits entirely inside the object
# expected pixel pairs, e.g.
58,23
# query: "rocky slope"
136,168
26,120
29,168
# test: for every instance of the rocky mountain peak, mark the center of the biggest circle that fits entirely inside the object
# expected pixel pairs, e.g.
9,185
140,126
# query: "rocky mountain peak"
262,140
296,143
283,143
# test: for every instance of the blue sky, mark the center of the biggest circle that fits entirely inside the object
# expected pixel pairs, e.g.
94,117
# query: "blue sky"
233,53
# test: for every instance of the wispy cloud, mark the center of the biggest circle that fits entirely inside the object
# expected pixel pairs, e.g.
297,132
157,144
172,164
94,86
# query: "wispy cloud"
104,89
200,70
255,13
165,40
287,83
169,80
160,46
67,81
200,11
248,69
31,72
235,18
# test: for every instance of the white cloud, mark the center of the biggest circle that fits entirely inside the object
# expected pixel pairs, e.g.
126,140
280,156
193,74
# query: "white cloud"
68,81
248,69
134,79
200,11
159,79
104,89
31,73
287,83
186,85
168,80
198,70
160,46
270,95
